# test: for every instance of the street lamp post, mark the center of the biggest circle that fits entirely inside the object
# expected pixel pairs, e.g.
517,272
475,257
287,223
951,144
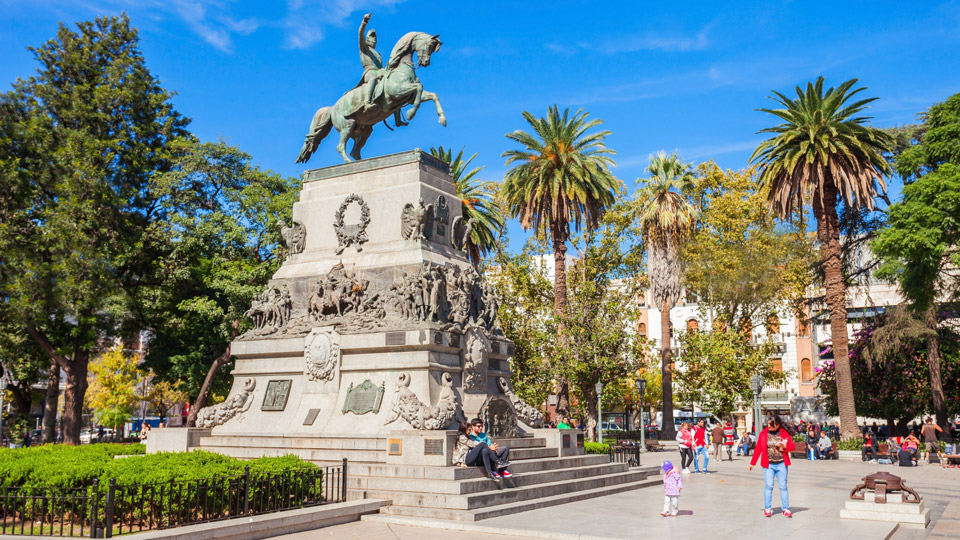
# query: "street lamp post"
599,388
642,390
756,384
3,391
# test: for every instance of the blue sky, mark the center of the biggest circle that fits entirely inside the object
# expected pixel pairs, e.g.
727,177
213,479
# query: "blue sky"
667,75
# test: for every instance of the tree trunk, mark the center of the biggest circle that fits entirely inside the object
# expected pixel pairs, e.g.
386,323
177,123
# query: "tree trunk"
593,424
933,361
76,386
669,432
73,394
50,402
828,232
201,400
559,311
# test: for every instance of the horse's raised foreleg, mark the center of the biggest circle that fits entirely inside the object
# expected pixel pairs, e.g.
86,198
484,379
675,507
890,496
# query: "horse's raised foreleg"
416,101
430,96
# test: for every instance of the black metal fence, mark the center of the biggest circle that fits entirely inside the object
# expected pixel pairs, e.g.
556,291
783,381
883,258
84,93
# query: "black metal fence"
625,454
101,511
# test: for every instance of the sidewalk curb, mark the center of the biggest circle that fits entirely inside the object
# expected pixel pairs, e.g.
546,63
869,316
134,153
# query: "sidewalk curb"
470,527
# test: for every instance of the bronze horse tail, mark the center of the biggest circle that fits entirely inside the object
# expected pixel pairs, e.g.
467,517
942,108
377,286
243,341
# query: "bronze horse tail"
319,128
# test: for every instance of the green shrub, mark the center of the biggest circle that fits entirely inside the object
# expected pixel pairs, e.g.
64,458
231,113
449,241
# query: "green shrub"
596,448
58,465
850,444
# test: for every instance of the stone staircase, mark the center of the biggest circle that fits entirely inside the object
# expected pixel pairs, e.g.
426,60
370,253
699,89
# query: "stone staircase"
541,478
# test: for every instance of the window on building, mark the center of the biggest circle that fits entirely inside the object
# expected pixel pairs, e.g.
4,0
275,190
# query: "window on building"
803,328
777,364
806,371
642,299
773,324
692,325
642,329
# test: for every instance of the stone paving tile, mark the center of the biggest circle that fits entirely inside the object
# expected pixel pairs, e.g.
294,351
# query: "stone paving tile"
726,504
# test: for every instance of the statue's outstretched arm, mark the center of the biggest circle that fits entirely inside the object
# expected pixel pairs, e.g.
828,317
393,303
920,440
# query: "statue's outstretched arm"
363,28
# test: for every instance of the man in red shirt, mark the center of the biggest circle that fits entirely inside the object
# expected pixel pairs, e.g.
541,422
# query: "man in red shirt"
700,447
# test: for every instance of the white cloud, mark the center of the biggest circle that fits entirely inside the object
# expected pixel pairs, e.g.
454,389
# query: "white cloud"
306,19
645,42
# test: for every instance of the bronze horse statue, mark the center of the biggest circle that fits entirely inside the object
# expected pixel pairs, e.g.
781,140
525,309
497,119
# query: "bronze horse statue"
354,117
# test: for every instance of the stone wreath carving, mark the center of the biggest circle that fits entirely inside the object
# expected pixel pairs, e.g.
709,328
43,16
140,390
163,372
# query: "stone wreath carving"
460,232
294,237
415,221
529,414
322,356
234,406
475,357
354,234
407,405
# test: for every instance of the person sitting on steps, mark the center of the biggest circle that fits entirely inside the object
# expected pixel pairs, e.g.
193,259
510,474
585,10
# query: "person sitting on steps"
500,454
469,452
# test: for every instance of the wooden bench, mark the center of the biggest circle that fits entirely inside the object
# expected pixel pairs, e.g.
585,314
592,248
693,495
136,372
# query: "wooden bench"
950,459
801,450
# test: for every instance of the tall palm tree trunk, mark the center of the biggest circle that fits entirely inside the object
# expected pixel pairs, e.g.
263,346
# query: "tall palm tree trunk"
666,373
933,363
828,232
559,311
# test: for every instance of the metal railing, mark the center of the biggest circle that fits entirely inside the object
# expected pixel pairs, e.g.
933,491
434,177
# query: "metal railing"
100,511
625,454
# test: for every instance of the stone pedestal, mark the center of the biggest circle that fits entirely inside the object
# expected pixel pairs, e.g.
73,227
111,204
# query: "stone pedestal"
894,510
174,439
376,323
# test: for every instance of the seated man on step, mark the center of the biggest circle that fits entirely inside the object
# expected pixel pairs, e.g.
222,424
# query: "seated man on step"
502,453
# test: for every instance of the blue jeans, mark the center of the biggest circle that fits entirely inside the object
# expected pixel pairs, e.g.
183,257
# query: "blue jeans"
696,458
778,471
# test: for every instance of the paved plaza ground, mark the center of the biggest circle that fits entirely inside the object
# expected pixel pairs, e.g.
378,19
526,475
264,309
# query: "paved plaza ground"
725,504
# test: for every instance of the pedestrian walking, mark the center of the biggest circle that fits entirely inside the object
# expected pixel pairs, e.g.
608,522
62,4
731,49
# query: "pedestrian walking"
672,485
716,438
685,442
929,433
773,451
700,447
729,438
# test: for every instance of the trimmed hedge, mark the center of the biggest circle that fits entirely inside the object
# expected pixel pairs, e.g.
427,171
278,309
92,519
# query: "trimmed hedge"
76,466
596,448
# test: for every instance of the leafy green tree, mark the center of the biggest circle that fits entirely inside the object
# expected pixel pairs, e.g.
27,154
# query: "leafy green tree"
740,261
938,140
561,179
81,140
893,383
717,367
476,204
823,151
221,246
163,395
918,251
667,218
111,391
601,343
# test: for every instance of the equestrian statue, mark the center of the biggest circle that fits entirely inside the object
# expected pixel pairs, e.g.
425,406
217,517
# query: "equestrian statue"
382,92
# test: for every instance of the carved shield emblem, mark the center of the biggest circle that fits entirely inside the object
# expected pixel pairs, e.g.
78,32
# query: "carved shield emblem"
322,356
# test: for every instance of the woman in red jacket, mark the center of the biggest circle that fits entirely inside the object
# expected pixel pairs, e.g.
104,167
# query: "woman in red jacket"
773,450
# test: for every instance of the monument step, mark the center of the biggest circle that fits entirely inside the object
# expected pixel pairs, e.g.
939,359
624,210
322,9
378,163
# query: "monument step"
506,495
513,507
331,456
533,453
464,473
477,485
526,442
333,443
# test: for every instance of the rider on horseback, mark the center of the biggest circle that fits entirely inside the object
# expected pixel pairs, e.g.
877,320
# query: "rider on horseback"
373,71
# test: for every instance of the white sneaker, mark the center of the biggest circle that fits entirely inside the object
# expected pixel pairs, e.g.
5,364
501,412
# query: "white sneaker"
686,471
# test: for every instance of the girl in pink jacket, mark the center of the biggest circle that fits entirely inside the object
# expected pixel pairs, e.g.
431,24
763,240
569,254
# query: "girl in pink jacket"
672,484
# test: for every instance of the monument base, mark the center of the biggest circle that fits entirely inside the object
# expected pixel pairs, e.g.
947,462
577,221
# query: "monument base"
894,510
175,439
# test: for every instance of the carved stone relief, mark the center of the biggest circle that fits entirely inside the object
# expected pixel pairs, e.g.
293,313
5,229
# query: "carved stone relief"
340,294
527,413
408,406
363,398
271,309
499,419
294,237
322,356
234,406
415,221
441,217
475,361
275,397
460,232
351,234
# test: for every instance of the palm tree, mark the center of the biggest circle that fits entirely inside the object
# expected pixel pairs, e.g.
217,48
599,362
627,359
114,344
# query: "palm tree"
823,151
562,178
475,203
666,218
